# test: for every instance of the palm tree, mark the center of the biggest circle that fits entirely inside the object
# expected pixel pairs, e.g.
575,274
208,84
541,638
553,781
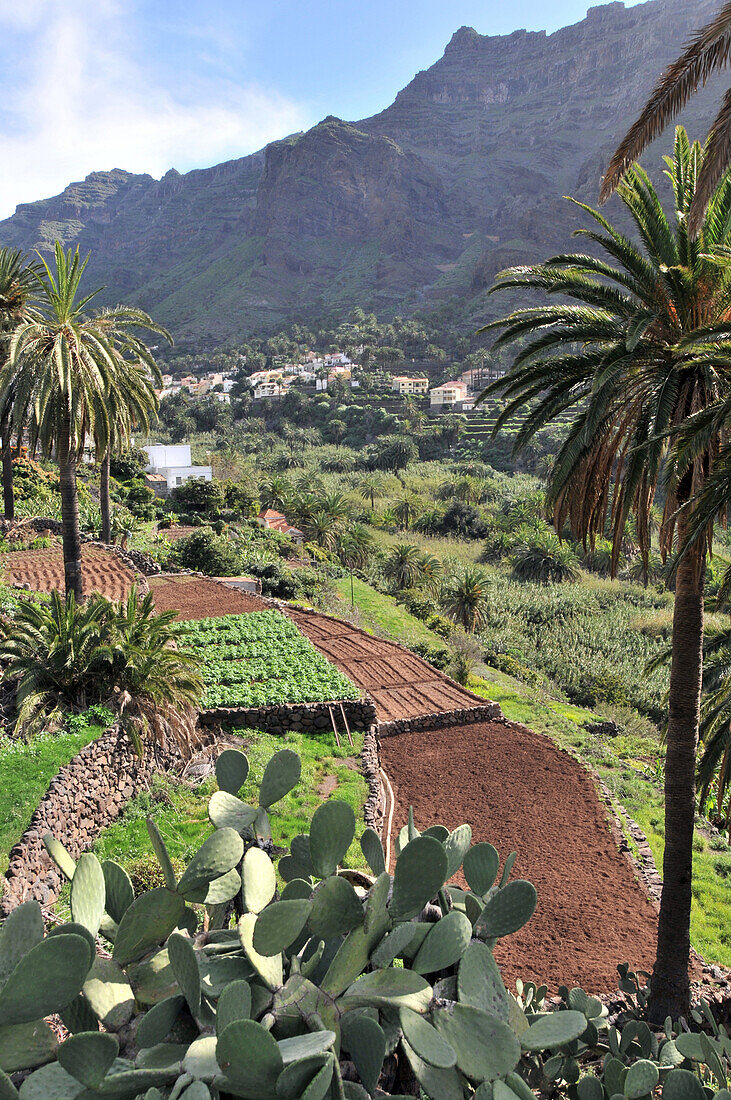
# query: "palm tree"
405,509
131,401
465,598
322,529
402,566
18,284
53,654
545,559
62,656
647,345
62,367
707,52
370,486
155,686
431,571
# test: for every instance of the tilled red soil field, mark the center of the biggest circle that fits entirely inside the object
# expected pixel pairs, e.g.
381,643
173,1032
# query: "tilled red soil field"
399,682
42,570
172,534
520,792
201,598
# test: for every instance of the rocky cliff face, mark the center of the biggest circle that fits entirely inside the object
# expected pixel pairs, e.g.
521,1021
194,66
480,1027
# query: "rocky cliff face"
464,173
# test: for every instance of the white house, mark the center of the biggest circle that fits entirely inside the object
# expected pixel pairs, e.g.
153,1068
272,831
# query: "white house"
174,464
448,395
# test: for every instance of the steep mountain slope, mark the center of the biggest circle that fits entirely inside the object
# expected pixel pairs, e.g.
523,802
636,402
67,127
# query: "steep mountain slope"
464,173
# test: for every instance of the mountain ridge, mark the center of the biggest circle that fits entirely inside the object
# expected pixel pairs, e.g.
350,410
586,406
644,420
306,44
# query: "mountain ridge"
414,208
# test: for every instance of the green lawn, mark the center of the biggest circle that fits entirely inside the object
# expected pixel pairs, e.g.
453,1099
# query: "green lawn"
180,810
382,615
26,769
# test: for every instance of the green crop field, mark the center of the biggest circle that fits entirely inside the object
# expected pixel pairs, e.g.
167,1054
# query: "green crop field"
261,659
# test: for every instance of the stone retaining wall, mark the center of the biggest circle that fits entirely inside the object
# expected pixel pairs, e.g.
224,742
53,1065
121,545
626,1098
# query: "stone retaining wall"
487,712
83,798
301,717
373,810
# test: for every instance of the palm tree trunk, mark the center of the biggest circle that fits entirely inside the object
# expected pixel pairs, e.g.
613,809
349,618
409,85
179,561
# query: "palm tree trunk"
8,493
670,987
70,520
104,501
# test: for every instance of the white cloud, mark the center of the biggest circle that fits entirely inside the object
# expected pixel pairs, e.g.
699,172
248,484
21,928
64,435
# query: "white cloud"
82,100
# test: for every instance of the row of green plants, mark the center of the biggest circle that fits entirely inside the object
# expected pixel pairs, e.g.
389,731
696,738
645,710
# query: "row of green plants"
259,659
248,975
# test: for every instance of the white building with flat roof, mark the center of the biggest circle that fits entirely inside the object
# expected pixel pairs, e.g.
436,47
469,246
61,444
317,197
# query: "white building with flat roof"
173,462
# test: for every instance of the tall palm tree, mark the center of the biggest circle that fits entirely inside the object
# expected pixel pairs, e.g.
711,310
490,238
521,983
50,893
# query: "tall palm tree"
403,565
646,346
62,367
465,598
370,486
132,402
18,285
707,52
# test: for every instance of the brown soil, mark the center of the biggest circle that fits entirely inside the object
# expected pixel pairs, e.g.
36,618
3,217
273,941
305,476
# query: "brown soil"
42,570
520,792
401,684
201,598
172,534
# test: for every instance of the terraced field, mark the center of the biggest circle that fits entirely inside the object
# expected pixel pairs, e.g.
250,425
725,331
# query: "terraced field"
399,682
42,571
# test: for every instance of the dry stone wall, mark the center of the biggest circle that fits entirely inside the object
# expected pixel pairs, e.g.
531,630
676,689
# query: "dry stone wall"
295,717
82,799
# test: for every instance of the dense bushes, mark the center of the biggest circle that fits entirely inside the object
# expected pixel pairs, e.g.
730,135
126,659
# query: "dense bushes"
205,552
589,639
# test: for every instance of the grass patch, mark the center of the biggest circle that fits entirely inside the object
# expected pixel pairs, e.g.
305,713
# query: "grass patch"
180,811
382,615
26,769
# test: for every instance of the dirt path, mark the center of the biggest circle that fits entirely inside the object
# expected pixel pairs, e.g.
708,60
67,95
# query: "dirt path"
520,792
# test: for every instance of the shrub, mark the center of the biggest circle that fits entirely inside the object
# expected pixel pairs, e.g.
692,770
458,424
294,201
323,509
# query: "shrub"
129,464
438,656
545,559
196,495
206,552
145,873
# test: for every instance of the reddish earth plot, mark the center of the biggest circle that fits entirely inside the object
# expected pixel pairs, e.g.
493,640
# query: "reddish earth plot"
42,570
172,534
520,792
399,682
201,598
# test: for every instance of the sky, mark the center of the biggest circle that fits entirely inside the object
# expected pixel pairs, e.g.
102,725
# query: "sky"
147,85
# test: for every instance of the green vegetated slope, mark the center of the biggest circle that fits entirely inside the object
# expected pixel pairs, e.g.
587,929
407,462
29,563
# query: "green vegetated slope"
381,615
259,659
179,809
26,769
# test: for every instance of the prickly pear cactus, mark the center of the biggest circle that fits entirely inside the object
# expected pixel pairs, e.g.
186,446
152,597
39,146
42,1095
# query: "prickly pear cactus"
246,978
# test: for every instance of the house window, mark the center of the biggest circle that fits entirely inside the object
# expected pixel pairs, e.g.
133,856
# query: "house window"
178,481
